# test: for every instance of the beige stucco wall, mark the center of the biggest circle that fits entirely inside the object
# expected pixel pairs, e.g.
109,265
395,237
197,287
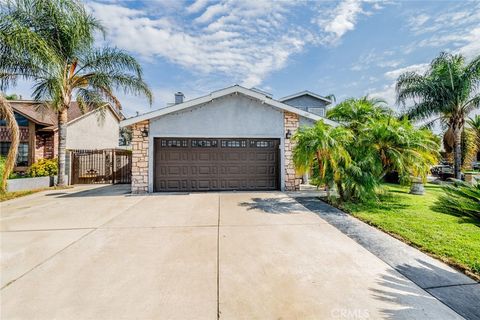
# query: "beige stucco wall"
98,130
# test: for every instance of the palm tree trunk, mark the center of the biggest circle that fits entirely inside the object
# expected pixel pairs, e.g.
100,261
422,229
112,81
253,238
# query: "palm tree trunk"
62,144
7,112
457,152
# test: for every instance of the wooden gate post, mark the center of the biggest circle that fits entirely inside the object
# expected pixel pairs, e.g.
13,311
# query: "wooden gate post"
113,166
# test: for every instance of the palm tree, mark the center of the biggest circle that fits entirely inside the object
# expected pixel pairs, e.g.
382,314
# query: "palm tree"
357,112
6,112
447,91
401,147
324,145
51,43
475,125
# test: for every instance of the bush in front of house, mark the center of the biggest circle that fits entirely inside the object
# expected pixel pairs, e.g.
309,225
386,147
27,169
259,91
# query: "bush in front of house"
461,199
43,168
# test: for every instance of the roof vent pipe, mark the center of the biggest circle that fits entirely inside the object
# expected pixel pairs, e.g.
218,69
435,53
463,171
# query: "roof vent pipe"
179,96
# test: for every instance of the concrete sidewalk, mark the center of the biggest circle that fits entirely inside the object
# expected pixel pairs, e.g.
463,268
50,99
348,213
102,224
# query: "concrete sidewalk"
101,254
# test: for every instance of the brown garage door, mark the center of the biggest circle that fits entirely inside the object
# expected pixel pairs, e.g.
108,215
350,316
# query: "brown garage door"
198,164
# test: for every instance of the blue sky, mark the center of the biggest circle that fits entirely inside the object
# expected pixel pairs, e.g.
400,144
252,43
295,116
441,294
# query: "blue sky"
349,48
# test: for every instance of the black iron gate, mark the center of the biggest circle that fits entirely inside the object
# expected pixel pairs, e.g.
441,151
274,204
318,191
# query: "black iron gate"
101,166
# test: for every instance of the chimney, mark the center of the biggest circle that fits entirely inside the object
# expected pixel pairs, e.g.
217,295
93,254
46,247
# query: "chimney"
179,97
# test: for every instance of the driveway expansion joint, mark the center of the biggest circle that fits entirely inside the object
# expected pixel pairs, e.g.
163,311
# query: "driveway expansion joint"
47,259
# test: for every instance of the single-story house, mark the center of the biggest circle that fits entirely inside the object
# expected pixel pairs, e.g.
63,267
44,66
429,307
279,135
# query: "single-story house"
231,139
86,129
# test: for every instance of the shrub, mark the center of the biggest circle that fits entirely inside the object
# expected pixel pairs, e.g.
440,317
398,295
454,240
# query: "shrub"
12,175
461,199
43,168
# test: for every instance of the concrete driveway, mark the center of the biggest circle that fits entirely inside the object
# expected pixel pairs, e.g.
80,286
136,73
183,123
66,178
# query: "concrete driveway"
98,253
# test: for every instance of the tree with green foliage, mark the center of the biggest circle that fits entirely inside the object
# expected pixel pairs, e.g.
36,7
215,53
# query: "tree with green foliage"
324,145
368,144
400,147
13,96
51,43
355,113
474,123
446,92
460,198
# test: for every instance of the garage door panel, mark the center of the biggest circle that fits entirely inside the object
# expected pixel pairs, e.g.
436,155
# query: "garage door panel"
201,164
202,156
205,170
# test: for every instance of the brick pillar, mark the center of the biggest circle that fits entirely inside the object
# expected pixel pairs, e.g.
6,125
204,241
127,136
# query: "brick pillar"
292,180
139,158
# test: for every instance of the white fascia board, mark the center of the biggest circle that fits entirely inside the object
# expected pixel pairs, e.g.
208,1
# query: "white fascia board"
236,89
306,92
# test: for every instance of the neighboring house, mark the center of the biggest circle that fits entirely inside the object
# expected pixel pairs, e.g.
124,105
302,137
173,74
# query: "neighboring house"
231,139
94,129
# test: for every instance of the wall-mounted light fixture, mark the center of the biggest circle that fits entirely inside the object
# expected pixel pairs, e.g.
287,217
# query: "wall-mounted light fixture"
144,132
288,135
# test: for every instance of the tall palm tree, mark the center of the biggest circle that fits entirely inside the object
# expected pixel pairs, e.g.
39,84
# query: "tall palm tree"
325,146
447,91
51,43
6,112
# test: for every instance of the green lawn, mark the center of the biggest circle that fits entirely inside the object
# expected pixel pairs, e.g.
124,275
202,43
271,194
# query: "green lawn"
452,239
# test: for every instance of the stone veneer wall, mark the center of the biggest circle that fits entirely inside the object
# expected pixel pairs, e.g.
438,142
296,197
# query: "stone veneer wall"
139,158
292,180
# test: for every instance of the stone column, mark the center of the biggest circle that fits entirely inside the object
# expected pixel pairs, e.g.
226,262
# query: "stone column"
139,158
292,180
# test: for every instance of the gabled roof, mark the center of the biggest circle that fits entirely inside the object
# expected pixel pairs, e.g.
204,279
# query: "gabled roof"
236,89
39,113
305,93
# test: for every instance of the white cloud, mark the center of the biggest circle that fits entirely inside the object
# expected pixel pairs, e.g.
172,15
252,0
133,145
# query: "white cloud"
471,47
377,59
394,74
197,6
387,93
245,40
340,20
456,29
417,22
336,22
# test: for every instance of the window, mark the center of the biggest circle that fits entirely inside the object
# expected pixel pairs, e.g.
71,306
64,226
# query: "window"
261,144
4,147
174,143
234,143
318,111
22,156
204,143
21,121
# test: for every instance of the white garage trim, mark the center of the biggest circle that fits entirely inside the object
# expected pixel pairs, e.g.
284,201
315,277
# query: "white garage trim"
236,89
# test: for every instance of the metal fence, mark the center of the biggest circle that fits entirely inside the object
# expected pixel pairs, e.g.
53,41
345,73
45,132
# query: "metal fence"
101,166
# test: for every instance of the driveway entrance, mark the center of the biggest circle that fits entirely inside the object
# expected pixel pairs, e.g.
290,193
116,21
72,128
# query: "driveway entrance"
102,254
